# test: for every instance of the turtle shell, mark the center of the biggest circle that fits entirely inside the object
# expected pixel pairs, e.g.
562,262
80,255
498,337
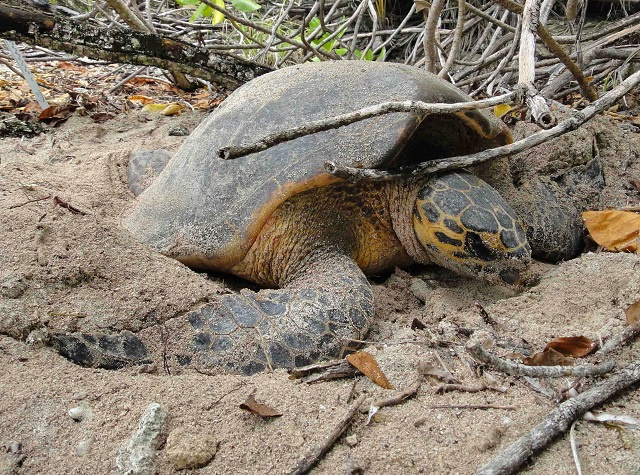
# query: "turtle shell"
207,212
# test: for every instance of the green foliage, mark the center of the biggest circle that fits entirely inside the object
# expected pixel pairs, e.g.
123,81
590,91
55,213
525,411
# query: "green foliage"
332,45
203,10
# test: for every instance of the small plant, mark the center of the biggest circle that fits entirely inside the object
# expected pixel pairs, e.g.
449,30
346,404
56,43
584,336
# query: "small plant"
245,6
332,45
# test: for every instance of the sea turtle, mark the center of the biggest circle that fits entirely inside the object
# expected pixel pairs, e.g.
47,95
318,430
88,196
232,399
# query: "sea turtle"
277,218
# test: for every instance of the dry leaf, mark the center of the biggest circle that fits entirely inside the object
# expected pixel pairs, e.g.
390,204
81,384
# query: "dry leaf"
55,112
367,365
262,410
172,109
141,99
422,5
575,346
548,357
633,313
428,370
153,107
501,109
614,230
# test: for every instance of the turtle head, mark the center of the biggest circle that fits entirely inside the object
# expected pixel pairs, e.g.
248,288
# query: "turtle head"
463,224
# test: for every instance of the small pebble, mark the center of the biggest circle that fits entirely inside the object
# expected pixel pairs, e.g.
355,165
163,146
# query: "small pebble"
351,440
178,131
14,447
76,413
188,449
84,446
79,396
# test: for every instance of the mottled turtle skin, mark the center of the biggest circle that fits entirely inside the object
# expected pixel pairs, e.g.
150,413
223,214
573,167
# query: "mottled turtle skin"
279,219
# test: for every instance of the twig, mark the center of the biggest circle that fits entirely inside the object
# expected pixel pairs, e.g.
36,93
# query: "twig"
574,448
476,350
418,107
315,454
559,420
472,406
554,47
426,168
467,388
430,28
397,398
29,201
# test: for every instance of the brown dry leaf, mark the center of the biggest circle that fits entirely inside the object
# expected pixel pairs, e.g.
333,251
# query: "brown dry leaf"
262,410
367,365
633,313
615,230
426,369
574,346
548,357
422,5
70,67
55,114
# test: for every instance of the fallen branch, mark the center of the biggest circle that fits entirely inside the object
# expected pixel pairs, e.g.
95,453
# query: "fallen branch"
427,168
621,339
19,22
315,454
559,420
418,107
476,350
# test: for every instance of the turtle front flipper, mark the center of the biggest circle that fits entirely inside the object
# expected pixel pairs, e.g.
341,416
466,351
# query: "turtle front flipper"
326,305
99,350
317,315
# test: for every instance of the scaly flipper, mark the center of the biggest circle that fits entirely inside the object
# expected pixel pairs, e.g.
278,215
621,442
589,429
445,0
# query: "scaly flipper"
316,316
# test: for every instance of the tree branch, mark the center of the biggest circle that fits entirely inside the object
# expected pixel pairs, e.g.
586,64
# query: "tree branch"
19,22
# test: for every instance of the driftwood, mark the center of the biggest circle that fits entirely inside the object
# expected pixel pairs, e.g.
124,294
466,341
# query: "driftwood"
20,22
559,420
476,350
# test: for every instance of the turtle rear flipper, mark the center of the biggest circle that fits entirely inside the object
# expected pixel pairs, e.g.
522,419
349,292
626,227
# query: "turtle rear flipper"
99,350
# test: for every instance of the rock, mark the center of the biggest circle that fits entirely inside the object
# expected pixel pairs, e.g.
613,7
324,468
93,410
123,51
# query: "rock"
84,446
178,131
12,287
351,440
186,449
136,456
77,413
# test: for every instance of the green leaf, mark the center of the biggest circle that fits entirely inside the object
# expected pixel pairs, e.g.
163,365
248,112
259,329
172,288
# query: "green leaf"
383,53
199,12
368,56
314,23
245,6
358,54
329,45
341,51
188,2
217,17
